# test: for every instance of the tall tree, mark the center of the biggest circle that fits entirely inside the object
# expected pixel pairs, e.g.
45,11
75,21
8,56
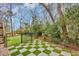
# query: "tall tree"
63,24
48,10
10,13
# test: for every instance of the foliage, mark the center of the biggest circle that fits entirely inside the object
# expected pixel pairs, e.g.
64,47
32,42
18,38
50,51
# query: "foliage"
55,31
72,16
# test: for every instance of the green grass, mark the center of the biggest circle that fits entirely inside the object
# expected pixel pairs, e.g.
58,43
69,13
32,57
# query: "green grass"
16,40
26,38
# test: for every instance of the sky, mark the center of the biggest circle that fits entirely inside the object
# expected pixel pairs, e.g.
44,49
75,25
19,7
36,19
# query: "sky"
23,11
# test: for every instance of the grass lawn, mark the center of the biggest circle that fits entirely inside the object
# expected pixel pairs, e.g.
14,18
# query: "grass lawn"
26,38
16,40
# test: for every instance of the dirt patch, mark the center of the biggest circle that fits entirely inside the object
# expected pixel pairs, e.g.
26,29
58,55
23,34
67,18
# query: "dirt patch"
3,50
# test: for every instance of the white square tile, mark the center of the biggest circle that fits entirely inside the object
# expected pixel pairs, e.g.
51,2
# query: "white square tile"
22,50
54,54
58,48
34,41
25,46
42,54
21,44
53,44
20,55
41,49
10,47
40,45
31,54
33,45
47,44
18,46
12,51
32,49
50,48
65,53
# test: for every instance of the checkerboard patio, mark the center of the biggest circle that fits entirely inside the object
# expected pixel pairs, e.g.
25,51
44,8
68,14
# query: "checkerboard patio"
37,48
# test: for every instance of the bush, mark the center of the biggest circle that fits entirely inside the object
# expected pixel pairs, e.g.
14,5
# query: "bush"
71,40
66,42
77,42
56,40
56,35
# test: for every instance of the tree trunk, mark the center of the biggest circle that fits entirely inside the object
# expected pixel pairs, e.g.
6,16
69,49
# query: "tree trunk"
63,24
48,10
11,20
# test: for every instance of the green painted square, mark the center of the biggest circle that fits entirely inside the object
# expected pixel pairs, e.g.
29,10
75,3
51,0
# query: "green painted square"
47,51
30,44
66,49
36,44
36,41
44,46
20,48
11,48
51,45
26,53
36,47
29,47
57,51
37,52
43,43
15,53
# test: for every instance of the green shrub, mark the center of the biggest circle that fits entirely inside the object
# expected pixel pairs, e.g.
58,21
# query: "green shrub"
77,42
55,31
66,42
56,40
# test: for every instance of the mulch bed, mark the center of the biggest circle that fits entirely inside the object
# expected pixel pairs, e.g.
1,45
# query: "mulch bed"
71,47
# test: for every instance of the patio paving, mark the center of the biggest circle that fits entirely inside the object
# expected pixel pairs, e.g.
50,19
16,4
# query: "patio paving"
38,48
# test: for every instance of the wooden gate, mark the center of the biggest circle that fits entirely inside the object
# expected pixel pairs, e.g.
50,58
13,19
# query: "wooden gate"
1,33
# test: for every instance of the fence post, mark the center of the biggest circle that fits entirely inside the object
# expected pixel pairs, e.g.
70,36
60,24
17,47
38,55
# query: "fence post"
21,38
5,40
31,38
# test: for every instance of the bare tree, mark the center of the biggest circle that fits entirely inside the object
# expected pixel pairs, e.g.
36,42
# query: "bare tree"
48,10
63,24
10,13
